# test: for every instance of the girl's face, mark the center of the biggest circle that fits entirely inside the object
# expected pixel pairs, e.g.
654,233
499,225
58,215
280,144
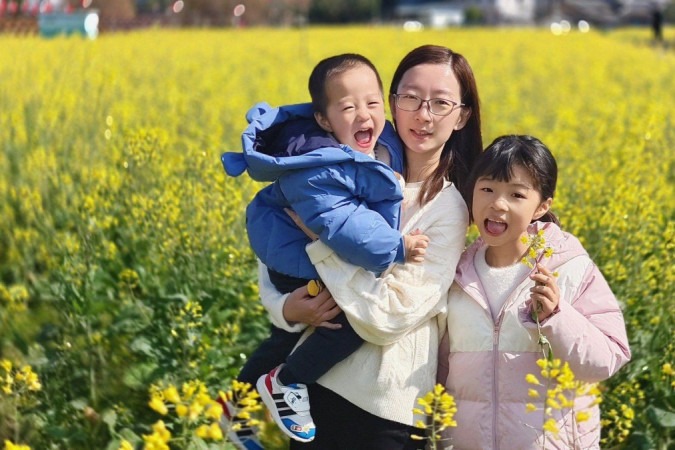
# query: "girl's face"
355,110
422,132
502,210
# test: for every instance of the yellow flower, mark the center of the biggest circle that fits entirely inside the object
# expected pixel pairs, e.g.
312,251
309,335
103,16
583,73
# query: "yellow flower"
439,408
530,407
125,445
202,431
10,446
157,404
533,393
627,412
214,411
6,364
215,433
30,379
160,428
583,416
195,409
182,410
531,379
667,369
551,426
552,403
171,394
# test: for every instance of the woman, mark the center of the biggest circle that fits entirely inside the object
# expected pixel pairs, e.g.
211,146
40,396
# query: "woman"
367,400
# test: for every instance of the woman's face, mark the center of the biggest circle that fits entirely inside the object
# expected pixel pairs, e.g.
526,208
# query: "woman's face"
421,131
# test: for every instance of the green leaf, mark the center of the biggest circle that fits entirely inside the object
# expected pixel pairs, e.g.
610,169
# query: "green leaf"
138,375
661,417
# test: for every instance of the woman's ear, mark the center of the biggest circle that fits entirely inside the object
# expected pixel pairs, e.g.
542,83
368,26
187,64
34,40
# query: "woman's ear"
323,122
464,114
543,208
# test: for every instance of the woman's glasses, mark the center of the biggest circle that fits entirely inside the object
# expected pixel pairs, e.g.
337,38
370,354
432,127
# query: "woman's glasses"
437,106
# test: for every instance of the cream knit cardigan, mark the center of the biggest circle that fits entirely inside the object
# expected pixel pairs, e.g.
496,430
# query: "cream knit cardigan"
400,315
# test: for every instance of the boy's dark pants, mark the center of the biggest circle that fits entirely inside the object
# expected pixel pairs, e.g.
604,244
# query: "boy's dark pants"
314,357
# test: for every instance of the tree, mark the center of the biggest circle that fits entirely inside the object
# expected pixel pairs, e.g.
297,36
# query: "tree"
115,10
331,11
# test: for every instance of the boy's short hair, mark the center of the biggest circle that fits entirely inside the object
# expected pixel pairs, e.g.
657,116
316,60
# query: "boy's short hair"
328,68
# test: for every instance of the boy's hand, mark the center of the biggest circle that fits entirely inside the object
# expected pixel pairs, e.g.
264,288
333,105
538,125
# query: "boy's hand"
545,294
416,245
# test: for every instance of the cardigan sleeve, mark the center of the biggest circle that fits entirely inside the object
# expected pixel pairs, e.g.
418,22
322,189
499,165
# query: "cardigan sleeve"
383,309
589,332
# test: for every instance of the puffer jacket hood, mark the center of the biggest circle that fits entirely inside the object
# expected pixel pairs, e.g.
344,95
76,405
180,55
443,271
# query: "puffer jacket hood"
278,140
349,199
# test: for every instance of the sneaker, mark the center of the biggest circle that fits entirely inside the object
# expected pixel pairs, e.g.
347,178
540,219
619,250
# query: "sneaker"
288,406
246,437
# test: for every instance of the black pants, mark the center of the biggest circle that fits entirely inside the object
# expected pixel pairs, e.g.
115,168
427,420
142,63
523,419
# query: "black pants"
314,357
341,425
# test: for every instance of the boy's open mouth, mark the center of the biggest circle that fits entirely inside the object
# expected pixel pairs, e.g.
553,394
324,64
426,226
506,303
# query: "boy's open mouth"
364,137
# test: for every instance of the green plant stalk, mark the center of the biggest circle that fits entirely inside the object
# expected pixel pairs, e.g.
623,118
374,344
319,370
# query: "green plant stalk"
17,425
434,444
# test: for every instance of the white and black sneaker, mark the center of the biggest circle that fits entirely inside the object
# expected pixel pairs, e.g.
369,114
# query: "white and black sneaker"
288,406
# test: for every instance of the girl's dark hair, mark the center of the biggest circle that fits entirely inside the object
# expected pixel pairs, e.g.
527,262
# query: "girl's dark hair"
330,67
464,146
505,153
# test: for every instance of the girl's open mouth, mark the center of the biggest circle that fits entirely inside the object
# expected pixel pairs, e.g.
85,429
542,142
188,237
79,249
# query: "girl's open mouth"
495,227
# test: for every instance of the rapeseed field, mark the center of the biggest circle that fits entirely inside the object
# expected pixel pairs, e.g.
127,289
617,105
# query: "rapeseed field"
128,294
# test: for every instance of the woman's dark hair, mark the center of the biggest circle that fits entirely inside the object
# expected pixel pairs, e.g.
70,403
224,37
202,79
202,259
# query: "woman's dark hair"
507,152
464,146
328,68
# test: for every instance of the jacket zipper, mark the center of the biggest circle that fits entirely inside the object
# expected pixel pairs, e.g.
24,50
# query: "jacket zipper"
495,349
495,360
495,377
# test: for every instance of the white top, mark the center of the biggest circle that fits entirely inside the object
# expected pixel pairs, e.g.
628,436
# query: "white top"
400,315
498,282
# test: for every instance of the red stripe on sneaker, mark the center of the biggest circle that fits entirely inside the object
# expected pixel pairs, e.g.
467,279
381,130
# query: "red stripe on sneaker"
226,411
268,382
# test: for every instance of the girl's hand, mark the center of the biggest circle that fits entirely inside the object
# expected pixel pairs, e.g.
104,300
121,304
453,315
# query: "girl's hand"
315,311
298,221
545,295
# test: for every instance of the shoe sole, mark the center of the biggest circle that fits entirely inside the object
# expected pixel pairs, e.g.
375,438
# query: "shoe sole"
266,397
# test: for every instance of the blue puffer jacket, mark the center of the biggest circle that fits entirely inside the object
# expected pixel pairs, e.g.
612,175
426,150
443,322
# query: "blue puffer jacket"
349,199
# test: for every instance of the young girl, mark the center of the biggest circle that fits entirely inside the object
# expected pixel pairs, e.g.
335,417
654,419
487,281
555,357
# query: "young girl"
366,401
492,340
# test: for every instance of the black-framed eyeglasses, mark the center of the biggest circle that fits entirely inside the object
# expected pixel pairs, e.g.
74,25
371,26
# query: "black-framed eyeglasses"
437,106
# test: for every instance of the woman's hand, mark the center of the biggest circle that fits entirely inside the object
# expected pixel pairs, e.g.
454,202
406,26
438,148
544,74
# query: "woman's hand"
545,294
298,221
315,311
